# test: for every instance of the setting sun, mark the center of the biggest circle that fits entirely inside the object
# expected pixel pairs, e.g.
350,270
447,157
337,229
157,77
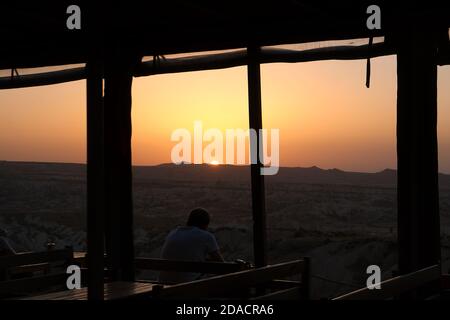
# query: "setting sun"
214,163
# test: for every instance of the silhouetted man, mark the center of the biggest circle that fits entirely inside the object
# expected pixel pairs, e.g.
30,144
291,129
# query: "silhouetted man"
190,243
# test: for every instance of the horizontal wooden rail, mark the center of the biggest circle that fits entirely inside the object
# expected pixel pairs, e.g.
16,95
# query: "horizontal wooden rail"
282,284
43,79
30,268
187,266
29,258
158,264
396,286
79,257
209,62
266,55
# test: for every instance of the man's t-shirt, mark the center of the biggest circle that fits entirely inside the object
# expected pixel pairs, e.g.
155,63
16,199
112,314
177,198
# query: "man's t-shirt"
188,244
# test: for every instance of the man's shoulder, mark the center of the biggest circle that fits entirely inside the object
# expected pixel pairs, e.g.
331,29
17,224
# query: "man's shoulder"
3,243
205,233
172,233
191,232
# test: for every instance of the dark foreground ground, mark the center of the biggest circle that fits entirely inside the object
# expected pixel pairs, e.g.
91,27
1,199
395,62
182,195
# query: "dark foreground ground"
343,221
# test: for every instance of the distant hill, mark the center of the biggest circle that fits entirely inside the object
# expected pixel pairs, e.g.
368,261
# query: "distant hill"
311,175
189,172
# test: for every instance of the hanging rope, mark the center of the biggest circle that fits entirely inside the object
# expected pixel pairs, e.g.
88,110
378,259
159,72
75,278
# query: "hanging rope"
14,70
368,67
157,60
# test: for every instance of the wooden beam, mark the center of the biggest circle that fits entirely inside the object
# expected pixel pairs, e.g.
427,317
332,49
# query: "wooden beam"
396,286
95,179
306,279
417,152
257,179
266,55
118,168
43,79
208,62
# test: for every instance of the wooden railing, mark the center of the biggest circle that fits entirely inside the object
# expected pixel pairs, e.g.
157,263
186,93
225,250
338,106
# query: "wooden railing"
157,264
188,266
238,284
232,280
29,272
29,258
396,286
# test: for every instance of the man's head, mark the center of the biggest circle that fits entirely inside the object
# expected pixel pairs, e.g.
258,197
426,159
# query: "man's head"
198,218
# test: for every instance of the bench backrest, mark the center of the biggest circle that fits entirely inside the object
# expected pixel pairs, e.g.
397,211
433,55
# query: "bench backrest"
187,266
232,282
156,264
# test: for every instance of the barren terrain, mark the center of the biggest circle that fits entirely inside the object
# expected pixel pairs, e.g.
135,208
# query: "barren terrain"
344,221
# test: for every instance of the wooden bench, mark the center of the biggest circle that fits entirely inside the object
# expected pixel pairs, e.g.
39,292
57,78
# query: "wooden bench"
397,286
265,282
188,266
155,264
30,272
112,291
228,285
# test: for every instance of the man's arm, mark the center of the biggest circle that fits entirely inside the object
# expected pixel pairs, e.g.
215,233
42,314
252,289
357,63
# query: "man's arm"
216,256
213,249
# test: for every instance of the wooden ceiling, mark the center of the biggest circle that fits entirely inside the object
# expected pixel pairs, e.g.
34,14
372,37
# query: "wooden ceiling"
34,33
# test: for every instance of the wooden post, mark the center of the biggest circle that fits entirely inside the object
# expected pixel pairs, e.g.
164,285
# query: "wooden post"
306,279
417,151
257,179
95,179
118,178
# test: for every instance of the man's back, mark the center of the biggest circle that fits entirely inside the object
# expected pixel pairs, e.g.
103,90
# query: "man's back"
188,244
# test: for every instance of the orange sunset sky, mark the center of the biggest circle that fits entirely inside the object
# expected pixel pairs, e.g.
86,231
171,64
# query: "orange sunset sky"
325,114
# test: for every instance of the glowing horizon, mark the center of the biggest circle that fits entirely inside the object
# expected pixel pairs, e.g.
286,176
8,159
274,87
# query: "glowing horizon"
326,116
